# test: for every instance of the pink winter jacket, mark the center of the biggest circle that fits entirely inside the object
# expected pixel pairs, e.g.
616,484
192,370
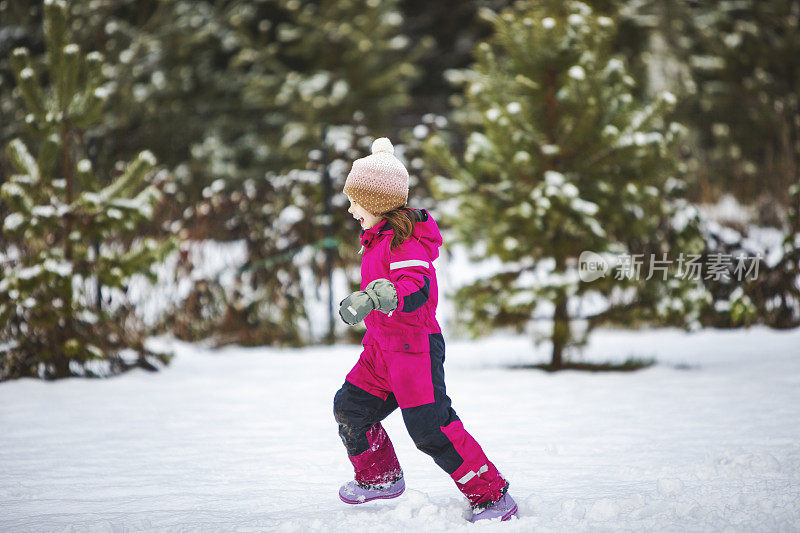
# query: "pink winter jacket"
410,268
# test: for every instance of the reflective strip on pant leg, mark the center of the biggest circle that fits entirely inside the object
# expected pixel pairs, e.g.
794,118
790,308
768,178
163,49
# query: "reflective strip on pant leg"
466,478
477,478
469,475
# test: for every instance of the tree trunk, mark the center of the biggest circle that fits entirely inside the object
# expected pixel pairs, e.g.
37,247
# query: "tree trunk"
65,332
560,330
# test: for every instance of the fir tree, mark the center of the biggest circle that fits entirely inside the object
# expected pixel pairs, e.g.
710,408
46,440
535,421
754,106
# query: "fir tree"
237,94
57,210
326,107
560,158
745,59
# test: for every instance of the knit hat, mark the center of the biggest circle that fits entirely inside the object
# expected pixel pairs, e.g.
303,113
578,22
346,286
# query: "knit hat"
378,182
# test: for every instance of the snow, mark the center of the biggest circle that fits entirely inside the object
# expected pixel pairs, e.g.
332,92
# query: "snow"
101,93
292,134
707,62
576,72
614,65
550,149
733,40
339,90
448,186
393,18
29,272
556,179
521,157
420,131
138,203
570,191
212,260
148,157
575,19
605,22
243,439
43,211
610,130
728,210
585,207
60,268
94,57
313,84
13,221
398,42
290,216
477,143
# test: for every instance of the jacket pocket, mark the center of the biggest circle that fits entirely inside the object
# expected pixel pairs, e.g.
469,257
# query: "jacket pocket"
408,340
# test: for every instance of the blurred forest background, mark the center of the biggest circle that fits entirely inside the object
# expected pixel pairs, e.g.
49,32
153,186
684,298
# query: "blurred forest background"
146,143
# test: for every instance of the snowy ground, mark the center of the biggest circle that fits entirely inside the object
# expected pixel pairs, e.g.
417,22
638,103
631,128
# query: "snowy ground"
244,440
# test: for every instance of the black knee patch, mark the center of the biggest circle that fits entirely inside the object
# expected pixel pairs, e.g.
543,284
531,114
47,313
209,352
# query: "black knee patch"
356,410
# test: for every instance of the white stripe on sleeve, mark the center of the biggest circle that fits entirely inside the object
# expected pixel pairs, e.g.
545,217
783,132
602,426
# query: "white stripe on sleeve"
409,263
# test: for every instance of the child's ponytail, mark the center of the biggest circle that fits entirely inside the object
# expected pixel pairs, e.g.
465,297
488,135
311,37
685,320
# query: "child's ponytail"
401,220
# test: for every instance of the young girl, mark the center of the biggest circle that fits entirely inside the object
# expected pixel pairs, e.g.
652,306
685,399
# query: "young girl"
403,357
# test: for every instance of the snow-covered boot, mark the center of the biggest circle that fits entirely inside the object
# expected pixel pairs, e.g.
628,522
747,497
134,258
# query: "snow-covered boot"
354,492
504,508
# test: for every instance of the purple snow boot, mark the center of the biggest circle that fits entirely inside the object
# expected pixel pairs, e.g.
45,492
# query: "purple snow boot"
354,493
504,509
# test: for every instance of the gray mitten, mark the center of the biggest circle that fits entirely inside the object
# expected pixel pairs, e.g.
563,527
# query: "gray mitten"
383,294
355,307
379,294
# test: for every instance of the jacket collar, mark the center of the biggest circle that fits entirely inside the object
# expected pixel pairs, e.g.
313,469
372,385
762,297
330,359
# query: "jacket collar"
383,228
370,235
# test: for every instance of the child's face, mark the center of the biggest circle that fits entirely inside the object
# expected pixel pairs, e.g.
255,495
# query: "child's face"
366,218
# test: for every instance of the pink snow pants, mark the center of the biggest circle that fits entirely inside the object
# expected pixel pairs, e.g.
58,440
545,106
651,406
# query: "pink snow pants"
383,380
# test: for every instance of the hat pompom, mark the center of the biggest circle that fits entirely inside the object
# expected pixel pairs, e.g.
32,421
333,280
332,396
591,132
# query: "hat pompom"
382,144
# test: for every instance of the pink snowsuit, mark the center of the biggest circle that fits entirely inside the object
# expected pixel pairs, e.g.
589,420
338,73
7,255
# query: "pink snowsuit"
402,365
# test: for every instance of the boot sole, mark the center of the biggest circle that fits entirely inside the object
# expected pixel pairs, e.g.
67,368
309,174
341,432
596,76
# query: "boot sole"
358,502
503,518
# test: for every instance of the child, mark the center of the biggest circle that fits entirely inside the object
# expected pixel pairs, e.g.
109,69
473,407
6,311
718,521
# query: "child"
403,357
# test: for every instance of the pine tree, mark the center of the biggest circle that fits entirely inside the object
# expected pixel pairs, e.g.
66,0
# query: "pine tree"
560,158
745,59
71,236
237,94
323,109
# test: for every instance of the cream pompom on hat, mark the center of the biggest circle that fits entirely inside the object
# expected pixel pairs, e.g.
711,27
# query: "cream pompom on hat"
378,182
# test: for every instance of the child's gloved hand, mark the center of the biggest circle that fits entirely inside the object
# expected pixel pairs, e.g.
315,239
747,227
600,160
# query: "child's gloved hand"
379,294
